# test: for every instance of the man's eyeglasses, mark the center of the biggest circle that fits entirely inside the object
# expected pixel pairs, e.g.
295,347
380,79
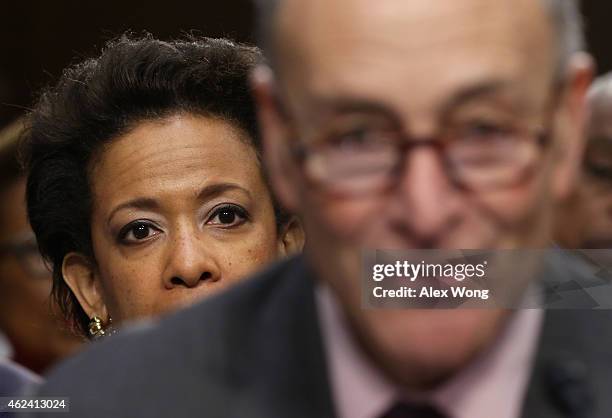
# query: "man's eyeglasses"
363,154
25,249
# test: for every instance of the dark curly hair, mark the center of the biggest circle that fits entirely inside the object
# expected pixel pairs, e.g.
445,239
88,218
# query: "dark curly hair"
136,78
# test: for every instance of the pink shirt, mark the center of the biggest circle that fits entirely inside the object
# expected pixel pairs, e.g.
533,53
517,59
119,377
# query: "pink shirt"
493,385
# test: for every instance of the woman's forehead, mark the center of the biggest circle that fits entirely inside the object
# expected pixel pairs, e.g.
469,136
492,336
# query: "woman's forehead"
177,155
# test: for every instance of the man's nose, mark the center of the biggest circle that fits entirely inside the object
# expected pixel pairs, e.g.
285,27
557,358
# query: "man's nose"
428,201
190,263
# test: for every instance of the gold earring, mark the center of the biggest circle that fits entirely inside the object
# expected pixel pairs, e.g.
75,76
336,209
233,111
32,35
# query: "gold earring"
97,329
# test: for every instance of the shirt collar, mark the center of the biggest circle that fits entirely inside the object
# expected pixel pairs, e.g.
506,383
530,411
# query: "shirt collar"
359,390
494,383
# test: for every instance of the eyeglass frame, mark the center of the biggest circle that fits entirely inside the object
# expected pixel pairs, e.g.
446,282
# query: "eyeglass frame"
542,138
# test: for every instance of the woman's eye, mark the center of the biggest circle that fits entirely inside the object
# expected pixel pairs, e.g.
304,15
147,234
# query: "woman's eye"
137,232
228,215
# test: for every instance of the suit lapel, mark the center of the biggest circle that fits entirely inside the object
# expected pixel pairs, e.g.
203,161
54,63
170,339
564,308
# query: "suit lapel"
282,371
573,365
283,374
572,370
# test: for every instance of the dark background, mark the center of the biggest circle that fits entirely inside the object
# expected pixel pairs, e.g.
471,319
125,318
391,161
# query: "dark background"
39,38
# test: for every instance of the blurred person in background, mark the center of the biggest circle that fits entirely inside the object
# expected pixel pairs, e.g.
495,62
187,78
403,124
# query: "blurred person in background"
395,124
586,221
145,187
15,380
25,311
31,322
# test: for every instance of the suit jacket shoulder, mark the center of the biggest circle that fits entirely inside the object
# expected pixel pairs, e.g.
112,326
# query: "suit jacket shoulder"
254,351
572,372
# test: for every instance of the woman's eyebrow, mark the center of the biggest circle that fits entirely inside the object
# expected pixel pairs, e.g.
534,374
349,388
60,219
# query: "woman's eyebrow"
216,189
207,192
144,203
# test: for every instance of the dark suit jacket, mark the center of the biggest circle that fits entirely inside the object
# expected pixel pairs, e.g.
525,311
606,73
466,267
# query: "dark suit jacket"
256,352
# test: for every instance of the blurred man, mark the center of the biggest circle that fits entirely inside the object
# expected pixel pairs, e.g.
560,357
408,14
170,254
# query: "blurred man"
395,124
586,221
38,337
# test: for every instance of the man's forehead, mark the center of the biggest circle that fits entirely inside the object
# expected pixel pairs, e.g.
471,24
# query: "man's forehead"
411,23
353,42
299,17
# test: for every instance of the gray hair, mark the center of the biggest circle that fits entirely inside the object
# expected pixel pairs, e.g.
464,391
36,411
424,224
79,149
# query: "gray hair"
568,25
565,15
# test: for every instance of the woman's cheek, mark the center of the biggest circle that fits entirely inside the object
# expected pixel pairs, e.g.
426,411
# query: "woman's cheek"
132,289
242,259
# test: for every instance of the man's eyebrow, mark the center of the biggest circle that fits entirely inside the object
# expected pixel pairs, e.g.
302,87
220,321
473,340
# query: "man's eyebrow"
338,106
475,91
349,105
341,105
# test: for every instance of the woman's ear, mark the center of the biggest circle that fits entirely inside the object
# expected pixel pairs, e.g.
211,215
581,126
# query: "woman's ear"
291,238
79,273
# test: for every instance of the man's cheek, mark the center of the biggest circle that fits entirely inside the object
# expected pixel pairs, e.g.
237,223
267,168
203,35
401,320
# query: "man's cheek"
509,206
352,220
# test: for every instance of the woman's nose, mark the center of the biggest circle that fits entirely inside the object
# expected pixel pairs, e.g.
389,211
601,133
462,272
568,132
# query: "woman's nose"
190,264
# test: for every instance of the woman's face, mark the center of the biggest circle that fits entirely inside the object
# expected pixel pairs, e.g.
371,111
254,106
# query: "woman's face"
180,211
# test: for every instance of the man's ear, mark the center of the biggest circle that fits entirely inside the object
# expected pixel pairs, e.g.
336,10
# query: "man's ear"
573,124
275,133
291,239
79,273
